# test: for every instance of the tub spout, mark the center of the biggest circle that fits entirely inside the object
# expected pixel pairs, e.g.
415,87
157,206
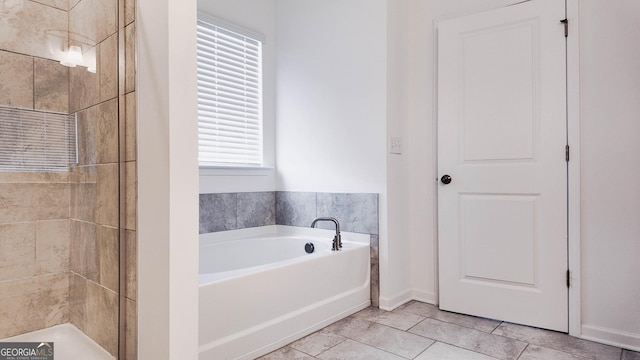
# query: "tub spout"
337,240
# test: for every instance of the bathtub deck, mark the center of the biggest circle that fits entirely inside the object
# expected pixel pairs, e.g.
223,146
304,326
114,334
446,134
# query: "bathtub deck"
69,343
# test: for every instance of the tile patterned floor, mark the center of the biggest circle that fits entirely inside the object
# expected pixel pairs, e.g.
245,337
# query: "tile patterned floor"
423,332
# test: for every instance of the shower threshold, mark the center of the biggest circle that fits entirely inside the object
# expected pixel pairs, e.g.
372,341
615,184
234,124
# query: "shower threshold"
69,343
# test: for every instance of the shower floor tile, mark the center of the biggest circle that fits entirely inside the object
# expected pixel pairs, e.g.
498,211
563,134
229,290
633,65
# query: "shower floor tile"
421,331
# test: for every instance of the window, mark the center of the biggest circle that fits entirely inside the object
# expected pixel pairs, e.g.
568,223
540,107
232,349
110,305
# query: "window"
229,96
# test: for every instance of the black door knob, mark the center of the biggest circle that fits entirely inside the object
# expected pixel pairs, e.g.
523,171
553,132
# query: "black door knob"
446,179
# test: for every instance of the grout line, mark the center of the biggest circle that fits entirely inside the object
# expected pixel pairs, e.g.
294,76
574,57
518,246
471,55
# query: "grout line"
522,352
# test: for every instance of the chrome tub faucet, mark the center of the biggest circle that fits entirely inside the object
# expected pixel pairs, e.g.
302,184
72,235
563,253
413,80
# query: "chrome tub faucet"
337,240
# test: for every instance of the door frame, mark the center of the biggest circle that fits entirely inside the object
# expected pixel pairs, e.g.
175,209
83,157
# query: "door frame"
573,139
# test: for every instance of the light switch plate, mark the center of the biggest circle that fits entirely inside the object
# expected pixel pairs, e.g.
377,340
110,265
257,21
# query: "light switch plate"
395,145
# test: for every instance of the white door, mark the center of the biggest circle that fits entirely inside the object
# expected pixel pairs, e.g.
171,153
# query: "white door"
502,228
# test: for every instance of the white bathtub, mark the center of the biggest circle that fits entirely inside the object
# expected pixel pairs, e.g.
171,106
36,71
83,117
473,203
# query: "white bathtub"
260,290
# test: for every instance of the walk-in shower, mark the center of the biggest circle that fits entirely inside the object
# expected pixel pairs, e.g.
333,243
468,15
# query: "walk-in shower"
65,169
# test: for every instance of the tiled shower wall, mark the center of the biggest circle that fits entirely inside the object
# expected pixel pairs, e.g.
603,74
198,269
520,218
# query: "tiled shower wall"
34,208
34,251
356,212
103,196
94,206
59,232
128,138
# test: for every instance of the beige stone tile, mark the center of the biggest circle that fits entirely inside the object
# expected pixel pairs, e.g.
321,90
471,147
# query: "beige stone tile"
107,132
107,204
131,265
351,350
470,339
317,342
52,246
83,193
286,353
432,311
86,140
130,57
129,11
630,355
29,202
131,330
440,351
92,21
51,86
102,317
33,177
559,341
108,261
33,29
533,352
98,134
17,251
108,67
73,3
395,319
16,87
131,195
84,89
381,337
60,4
33,303
131,126
83,258
77,300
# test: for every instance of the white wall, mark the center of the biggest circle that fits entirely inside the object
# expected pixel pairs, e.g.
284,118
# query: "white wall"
331,95
332,103
397,250
610,97
258,16
167,180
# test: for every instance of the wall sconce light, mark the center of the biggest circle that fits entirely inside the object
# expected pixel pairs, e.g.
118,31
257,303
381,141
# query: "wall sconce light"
73,57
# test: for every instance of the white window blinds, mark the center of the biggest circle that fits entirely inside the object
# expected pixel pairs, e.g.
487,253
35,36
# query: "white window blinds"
36,141
229,97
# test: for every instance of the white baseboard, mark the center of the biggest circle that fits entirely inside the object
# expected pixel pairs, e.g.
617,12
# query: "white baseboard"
622,339
391,303
425,296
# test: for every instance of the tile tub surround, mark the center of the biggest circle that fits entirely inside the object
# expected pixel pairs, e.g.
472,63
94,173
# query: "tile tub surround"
233,211
423,332
357,212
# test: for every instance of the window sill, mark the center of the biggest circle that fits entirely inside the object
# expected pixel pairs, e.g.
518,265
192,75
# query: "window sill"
235,171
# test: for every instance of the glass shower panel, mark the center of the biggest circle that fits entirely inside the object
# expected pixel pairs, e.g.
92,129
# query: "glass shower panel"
60,225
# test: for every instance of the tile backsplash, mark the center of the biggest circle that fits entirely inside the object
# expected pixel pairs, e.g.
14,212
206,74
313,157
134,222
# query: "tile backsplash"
357,212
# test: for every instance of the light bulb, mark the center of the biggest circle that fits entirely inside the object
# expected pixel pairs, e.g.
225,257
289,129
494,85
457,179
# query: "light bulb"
74,56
